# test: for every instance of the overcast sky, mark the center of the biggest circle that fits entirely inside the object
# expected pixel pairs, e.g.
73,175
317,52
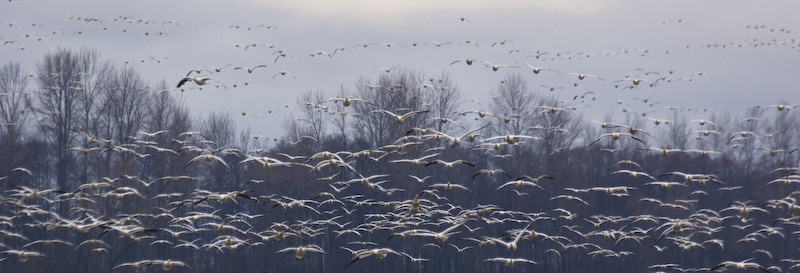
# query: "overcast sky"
741,65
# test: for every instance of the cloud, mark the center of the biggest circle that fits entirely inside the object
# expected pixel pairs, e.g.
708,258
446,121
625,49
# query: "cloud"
399,13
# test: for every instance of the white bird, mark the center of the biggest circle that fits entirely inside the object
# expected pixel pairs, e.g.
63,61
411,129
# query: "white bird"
162,150
481,114
702,122
197,80
519,184
168,264
501,42
366,181
583,76
491,172
208,158
85,151
512,245
152,135
664,184
570,198
635,81
615,136
551,109
280,53
635,174
266,162
742,134
134,265
378,253
157,60
283,73
439,236
614,191
250,70
461,249
495,67
23,255
416,161
300,251
341,48
449,186
510,261
386,69
165,264
552,88
347,101
463,19
419,180
400,118
319,53
663,151
219,69
189,134
450,165
468,61
743,265
457,140
780,107
512,139
536,70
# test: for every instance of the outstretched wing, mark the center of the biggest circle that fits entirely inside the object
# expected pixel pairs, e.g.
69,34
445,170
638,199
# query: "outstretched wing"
184,80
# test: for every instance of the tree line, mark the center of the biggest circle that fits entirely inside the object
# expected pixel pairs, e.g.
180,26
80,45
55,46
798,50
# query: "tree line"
81,119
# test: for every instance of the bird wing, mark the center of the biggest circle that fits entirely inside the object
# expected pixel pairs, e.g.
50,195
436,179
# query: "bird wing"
182,81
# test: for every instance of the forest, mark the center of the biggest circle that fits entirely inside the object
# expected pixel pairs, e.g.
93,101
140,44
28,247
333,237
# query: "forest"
105,171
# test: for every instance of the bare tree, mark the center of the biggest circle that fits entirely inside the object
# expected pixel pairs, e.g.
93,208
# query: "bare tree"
442,97
676,133
220,129
162,109
94,79
165,113
292,128
558,125
14,110
742,141
777,142
521,111
341,118
122,117
313,116
514,105
396,92
59,78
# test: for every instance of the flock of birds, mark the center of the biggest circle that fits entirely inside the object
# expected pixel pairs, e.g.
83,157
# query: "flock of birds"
361,213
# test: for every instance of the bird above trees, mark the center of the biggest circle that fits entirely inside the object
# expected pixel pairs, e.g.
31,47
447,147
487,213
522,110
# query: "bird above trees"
400,119
250,69
197,80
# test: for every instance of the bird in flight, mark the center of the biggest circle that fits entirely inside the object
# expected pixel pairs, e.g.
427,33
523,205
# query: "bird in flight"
400,118
386,69
743,265
197,80
300,251
250,70
379,253
510,261
219,69
283,73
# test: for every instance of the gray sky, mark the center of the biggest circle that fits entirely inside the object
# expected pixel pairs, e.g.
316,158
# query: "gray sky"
655,35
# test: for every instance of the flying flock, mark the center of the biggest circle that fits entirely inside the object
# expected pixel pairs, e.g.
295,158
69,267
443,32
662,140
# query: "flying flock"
203,220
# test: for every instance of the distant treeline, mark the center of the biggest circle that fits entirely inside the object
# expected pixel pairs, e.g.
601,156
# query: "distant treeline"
92,151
